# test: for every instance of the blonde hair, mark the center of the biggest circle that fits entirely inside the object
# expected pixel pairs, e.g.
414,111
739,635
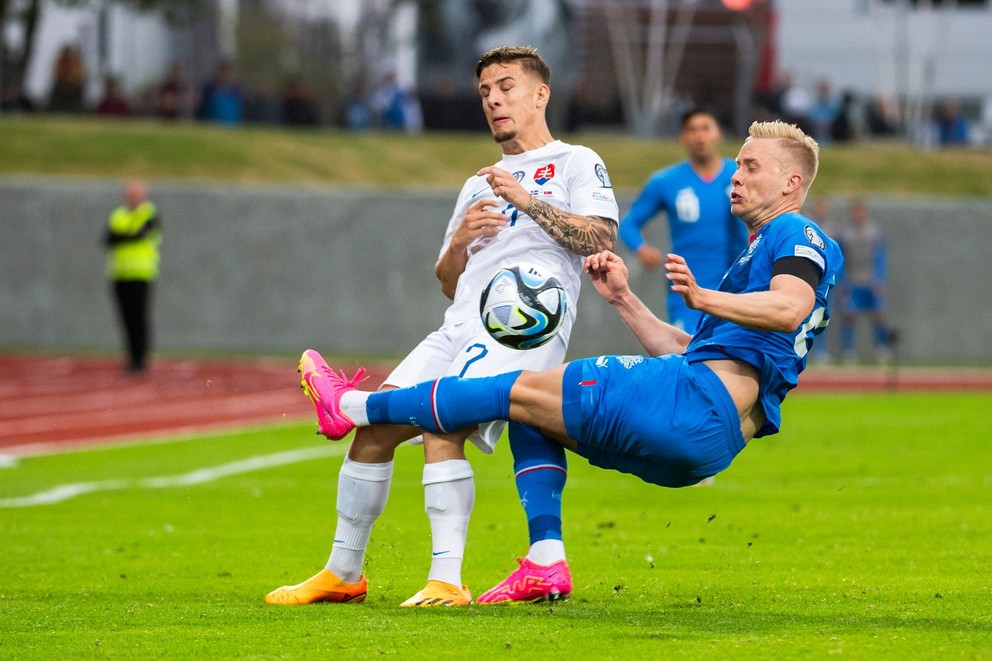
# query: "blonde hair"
801,150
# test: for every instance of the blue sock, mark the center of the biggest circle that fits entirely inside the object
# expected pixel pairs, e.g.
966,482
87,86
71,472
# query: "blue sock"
444,405
540,470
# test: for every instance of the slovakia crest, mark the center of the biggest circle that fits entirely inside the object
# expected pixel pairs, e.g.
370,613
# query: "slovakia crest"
545,174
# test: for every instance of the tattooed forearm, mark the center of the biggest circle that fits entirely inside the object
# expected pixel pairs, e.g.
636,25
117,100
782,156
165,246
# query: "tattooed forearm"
583,235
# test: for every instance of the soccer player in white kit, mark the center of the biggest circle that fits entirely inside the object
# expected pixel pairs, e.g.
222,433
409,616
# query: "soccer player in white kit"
545,203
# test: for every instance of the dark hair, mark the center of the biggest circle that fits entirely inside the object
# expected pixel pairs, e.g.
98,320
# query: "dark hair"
526,55
696,111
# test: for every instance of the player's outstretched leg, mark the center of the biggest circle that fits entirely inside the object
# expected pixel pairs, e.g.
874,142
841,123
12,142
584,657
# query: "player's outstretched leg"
439,406
324,387
439,593
321,587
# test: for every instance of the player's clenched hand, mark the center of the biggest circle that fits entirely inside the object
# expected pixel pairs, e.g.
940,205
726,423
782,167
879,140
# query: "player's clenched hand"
608,274
480,220
682,281
506,186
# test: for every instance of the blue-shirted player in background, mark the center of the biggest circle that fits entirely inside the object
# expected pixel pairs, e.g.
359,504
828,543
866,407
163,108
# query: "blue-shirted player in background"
695,197
686,412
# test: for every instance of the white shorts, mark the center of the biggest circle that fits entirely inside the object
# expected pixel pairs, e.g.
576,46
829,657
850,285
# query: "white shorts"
466,350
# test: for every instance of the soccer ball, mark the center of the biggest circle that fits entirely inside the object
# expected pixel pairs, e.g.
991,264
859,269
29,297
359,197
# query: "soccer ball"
522,308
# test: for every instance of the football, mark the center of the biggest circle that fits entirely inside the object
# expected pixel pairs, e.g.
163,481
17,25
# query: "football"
522,308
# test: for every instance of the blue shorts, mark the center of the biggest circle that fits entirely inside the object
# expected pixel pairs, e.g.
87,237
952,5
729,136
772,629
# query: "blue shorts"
666,420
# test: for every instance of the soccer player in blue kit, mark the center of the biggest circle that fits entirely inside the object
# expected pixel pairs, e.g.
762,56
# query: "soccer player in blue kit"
695,196
686,411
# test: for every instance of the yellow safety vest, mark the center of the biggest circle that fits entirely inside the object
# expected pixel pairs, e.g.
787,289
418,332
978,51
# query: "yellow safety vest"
135,259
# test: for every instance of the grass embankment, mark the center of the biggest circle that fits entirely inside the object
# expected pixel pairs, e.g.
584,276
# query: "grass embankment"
87,147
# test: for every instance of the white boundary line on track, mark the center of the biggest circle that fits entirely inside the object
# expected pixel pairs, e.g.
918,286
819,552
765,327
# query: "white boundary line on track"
14,453
64,492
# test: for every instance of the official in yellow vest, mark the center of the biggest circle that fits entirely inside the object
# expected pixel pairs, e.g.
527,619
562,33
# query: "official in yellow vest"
133,236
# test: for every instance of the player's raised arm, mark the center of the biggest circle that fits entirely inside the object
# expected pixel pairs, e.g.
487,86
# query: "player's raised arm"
583,235
609,276
785,305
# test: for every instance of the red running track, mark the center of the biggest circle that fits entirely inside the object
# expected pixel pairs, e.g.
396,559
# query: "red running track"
47,402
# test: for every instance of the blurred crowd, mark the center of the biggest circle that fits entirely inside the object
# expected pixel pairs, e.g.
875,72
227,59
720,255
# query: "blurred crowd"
823,112
223,98
831,116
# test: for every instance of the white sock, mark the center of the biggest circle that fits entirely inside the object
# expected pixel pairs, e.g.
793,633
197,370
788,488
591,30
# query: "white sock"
353,405
546,552
449,494
362,493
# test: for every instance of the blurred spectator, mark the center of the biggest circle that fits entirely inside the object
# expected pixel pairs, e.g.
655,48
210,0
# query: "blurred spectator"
823,112
263,105
298,107
796,103
174,94
113,103
448,107
843,128
862,286
396,108
357,112
883,117
769,102
69,78
951,126
223,97
14,99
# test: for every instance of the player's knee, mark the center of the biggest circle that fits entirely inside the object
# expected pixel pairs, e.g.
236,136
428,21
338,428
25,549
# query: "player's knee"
445,447
378,442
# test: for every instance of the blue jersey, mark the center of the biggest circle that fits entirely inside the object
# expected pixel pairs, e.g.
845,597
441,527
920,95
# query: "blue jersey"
700,226
780,357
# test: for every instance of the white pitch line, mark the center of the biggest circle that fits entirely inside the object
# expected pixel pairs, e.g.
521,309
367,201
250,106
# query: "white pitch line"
200,476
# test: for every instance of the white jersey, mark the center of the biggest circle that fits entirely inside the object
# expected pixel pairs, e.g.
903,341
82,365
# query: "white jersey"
569,177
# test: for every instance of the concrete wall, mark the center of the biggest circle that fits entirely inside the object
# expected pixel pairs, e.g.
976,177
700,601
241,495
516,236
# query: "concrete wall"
351,271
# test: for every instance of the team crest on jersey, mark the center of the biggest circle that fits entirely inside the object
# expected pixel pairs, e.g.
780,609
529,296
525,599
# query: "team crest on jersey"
545,174
603,176
630,361
750,250
814,238
519,175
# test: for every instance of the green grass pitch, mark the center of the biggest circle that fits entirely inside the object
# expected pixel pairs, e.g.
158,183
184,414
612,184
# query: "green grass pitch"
862,530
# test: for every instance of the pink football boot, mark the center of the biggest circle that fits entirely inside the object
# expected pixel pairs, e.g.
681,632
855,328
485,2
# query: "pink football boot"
324,387
531,582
